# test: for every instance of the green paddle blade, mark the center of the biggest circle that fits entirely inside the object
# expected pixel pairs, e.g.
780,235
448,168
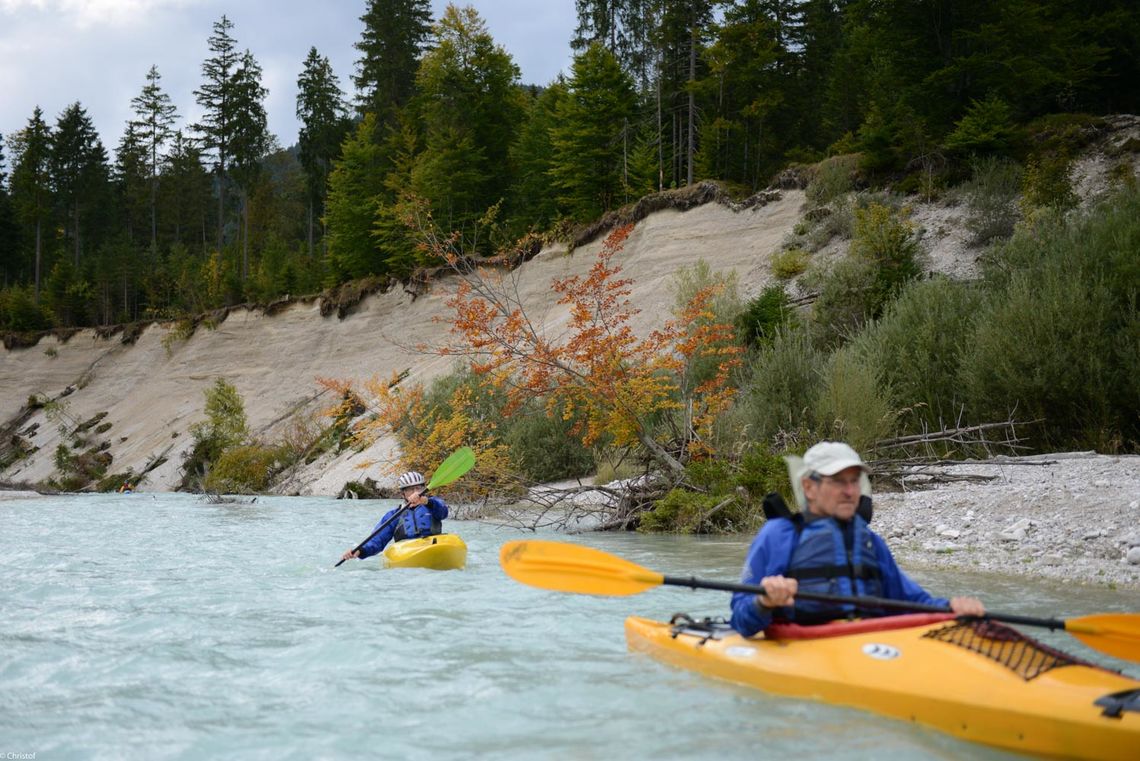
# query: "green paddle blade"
451,469
573,568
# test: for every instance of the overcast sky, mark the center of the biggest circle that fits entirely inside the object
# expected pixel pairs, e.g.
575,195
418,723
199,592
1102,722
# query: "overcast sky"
97,52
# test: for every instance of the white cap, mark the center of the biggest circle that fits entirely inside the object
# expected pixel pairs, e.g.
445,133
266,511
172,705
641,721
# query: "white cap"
829,457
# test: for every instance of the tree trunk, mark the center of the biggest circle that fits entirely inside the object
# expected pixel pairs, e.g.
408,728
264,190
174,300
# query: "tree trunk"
691,142
310,228
660,139
660,456
245,236
39,250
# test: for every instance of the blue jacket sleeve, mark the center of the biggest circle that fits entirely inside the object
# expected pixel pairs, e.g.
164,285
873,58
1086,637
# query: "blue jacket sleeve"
896,584
769,555
376,543
438,508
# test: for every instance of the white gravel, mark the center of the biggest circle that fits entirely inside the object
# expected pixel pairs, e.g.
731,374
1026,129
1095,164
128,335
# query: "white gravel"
1070,516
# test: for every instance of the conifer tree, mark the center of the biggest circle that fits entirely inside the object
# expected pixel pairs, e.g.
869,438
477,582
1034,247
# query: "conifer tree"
395,34
469,107
185,192
250,138
532,155
131,183
31,184
155,116
355,186
324,124
11,260
588,170
79,170
216,97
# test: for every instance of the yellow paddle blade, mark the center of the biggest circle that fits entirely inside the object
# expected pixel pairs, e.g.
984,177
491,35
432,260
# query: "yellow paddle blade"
573,568
1117,634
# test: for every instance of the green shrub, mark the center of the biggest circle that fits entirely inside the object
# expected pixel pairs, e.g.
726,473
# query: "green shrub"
542,446
988,127
764,316
614,468
762,472
680,511
834,177
244,469
19,311
991,196
1046,184
846,300
787,264
782,382
1057,337
889,243
916,349
225,427
852,405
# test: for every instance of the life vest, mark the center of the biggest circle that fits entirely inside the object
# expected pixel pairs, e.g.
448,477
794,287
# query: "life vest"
821,563
416,522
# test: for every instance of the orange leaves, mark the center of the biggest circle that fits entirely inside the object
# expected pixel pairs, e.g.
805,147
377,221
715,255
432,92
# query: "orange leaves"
599,372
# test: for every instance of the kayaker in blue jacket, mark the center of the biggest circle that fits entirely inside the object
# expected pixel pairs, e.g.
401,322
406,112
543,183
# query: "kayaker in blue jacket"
421,516
829,548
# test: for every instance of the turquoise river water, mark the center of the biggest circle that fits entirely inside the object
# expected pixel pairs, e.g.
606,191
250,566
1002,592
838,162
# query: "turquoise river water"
159,626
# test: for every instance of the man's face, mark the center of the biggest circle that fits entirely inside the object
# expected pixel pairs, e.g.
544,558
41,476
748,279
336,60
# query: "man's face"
410,492
834,496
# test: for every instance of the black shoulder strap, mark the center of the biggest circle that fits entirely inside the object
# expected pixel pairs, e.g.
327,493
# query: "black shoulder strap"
865,509
775,507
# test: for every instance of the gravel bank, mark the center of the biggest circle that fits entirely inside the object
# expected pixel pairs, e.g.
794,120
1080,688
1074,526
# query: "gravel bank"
1072,517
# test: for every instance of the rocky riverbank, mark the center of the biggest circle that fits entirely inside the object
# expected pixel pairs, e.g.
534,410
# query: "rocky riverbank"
1070,517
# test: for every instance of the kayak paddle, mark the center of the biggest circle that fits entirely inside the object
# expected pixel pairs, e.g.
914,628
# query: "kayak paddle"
449,471
574,568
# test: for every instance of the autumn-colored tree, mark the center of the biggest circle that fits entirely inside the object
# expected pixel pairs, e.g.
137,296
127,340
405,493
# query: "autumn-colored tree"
599,371
426,436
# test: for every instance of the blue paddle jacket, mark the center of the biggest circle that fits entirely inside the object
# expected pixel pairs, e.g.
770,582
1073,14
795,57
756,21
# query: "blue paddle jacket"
825,554
421,520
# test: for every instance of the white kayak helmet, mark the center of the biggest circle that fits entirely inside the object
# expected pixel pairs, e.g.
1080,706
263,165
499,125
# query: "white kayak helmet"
410,479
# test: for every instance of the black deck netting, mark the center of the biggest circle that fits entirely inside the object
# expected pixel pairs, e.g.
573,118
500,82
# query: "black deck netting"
1022,655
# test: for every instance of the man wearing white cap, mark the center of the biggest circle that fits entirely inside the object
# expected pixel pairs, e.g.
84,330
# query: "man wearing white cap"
828,548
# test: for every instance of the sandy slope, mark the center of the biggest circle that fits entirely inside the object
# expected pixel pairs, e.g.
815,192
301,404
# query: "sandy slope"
153,393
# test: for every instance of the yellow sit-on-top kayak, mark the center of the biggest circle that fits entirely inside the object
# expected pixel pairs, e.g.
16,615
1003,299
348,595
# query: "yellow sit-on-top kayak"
442,552
978,680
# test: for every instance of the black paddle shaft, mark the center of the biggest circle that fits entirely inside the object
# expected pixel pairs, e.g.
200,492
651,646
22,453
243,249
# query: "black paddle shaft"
399,511
860,602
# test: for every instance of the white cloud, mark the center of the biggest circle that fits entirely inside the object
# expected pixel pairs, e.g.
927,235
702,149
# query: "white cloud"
83,14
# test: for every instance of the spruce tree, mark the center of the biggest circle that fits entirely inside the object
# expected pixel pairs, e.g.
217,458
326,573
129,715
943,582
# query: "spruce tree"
355,187
250,139
469,106
31,185
79,170
11,260
217,98
324,124
588,136
395,35
155,117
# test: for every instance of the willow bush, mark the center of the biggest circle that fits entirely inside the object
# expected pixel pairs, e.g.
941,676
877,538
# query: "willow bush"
1057,336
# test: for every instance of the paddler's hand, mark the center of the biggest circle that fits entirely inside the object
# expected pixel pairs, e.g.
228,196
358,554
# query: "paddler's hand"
967,606
417,499
781,592
350,554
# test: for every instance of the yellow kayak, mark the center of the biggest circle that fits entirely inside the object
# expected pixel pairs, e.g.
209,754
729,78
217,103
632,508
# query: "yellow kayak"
979,681
442,552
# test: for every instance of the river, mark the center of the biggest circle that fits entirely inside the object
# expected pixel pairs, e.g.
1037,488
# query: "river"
158,626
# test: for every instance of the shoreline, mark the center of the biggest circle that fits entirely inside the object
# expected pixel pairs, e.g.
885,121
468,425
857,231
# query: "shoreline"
1071,517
